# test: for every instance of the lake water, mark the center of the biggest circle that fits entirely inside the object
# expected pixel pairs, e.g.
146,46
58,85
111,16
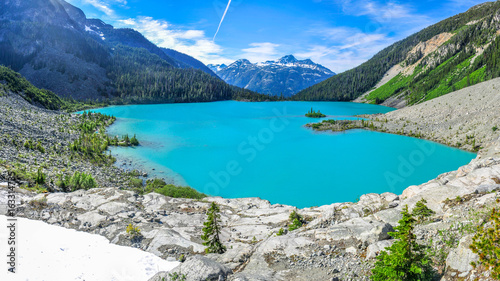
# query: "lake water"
243,149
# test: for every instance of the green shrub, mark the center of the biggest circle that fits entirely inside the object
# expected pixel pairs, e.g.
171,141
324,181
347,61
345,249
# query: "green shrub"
63,182
495,128
180,192
40,148
176,277
36,188
421,212
81,181
297,221
40,177
135,183
280,232
486,243
133,231
161,187
154,184
182,258
407,260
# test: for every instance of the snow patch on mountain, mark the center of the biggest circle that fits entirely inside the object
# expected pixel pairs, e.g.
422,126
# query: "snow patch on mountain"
286,75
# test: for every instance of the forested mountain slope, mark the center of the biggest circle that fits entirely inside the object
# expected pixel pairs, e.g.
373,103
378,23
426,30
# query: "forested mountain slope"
56,47
188,60
457,52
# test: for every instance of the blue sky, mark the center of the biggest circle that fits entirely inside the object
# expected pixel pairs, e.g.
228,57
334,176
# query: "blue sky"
339,34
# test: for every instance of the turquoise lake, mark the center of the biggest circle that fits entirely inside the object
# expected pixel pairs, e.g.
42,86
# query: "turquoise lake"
243,149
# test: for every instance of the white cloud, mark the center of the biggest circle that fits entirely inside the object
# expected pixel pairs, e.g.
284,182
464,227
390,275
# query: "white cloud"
345,48
104,6
342,48
192,42
101,6
259,52
390,15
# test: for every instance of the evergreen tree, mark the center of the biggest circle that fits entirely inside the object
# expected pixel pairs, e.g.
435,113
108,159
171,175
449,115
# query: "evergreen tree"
211,231
134,141
486,243
421,212
40,177
407,260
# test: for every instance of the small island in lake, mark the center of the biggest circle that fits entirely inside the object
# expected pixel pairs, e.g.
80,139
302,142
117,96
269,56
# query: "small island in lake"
314,114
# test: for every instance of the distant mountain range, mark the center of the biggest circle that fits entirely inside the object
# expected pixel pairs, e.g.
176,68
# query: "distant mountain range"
457,52
56,47
285,76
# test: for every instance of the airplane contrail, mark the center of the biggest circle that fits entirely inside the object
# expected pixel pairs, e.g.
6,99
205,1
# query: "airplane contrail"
222,19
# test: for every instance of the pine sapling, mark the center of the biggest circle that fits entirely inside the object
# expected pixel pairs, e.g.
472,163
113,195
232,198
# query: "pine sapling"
211,231
407,259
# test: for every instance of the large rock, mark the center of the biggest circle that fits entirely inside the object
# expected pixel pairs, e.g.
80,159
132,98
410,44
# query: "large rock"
460,259
367,230
374,249
390,216
198,268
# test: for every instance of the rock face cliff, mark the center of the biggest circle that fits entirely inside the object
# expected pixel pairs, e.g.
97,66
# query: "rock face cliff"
339,240
285,76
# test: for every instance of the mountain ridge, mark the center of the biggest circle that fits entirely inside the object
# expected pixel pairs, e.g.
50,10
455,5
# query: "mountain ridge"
474,29
286,75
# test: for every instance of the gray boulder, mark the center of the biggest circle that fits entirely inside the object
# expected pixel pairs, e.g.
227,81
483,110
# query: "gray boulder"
374,250
460,258
483,189
198,268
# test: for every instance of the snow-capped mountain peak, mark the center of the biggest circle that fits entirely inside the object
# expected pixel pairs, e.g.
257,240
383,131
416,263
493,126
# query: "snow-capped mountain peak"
286,76
288,59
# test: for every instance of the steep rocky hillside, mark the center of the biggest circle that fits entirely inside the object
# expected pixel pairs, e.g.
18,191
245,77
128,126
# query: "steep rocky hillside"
450,55
35,139
285,76
56,47
467,119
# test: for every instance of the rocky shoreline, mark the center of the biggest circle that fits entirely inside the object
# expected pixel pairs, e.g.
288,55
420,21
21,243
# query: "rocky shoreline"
468,119
55,131
338,242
